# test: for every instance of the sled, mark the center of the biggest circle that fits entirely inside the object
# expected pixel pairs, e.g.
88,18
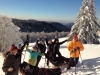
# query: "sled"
59,61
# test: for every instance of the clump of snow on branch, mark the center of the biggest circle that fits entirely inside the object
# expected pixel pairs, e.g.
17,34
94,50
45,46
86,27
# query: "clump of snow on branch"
86,24
9,33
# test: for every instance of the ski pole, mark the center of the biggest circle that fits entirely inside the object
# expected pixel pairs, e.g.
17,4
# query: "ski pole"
81,60
75,62
27,38
75,65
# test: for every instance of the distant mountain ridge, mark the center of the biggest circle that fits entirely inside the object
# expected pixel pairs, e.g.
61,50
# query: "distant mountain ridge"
69,25
39,26
59,26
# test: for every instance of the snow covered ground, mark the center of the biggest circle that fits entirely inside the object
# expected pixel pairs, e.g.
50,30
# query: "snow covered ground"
90,57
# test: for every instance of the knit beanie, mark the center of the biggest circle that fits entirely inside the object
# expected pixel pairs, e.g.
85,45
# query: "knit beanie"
75,36
18,45
13,47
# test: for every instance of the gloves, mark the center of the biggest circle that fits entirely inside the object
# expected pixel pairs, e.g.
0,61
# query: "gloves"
45,54
78,48
27,42
50,54
74,50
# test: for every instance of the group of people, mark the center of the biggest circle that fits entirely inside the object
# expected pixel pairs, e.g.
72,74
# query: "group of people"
12,58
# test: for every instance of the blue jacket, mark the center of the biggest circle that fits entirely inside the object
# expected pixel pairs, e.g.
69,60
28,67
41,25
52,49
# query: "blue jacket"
34,54
33,57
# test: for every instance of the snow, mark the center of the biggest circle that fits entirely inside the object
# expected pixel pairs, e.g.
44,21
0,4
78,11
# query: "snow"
9,32
87,19
90,58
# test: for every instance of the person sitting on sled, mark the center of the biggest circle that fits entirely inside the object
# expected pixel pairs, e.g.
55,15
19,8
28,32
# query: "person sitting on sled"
74,46
33,55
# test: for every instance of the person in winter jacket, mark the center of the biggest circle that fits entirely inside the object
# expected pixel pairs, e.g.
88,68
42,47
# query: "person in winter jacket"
41,47
50,50
57,46
33,55
10,64
74,46
20,50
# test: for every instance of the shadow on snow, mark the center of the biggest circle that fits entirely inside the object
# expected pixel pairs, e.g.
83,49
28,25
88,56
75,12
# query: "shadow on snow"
91,66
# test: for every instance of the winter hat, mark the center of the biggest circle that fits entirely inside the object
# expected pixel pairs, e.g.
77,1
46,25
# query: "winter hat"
75,36
18,45
13,47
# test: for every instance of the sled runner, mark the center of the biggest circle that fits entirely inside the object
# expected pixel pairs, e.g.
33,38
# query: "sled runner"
27,69
58,62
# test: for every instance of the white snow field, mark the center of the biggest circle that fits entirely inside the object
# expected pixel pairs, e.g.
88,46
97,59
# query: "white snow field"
90,57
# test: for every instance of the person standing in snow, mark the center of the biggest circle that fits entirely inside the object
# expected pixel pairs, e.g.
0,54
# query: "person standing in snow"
50,51
20,49
74,46
41,47
33,54
57,46
10,64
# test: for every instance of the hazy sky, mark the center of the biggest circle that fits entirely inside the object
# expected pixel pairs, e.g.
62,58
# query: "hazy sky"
47,10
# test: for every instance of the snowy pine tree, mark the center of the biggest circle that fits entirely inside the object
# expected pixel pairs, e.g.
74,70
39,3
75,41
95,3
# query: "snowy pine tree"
86,24
9,33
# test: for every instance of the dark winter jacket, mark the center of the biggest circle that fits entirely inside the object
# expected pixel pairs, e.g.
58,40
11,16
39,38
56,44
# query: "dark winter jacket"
41,47
10,61
19,54
50,46
57,45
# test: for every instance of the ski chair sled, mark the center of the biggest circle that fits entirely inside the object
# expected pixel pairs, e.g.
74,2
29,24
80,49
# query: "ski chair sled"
27,69
58,61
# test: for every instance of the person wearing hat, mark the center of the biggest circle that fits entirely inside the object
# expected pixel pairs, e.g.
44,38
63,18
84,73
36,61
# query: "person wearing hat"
42,47
33,54
10,64
20,50
74,46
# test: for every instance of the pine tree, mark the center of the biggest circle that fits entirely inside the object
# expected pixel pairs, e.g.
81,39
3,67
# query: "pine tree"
9,33
86,24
